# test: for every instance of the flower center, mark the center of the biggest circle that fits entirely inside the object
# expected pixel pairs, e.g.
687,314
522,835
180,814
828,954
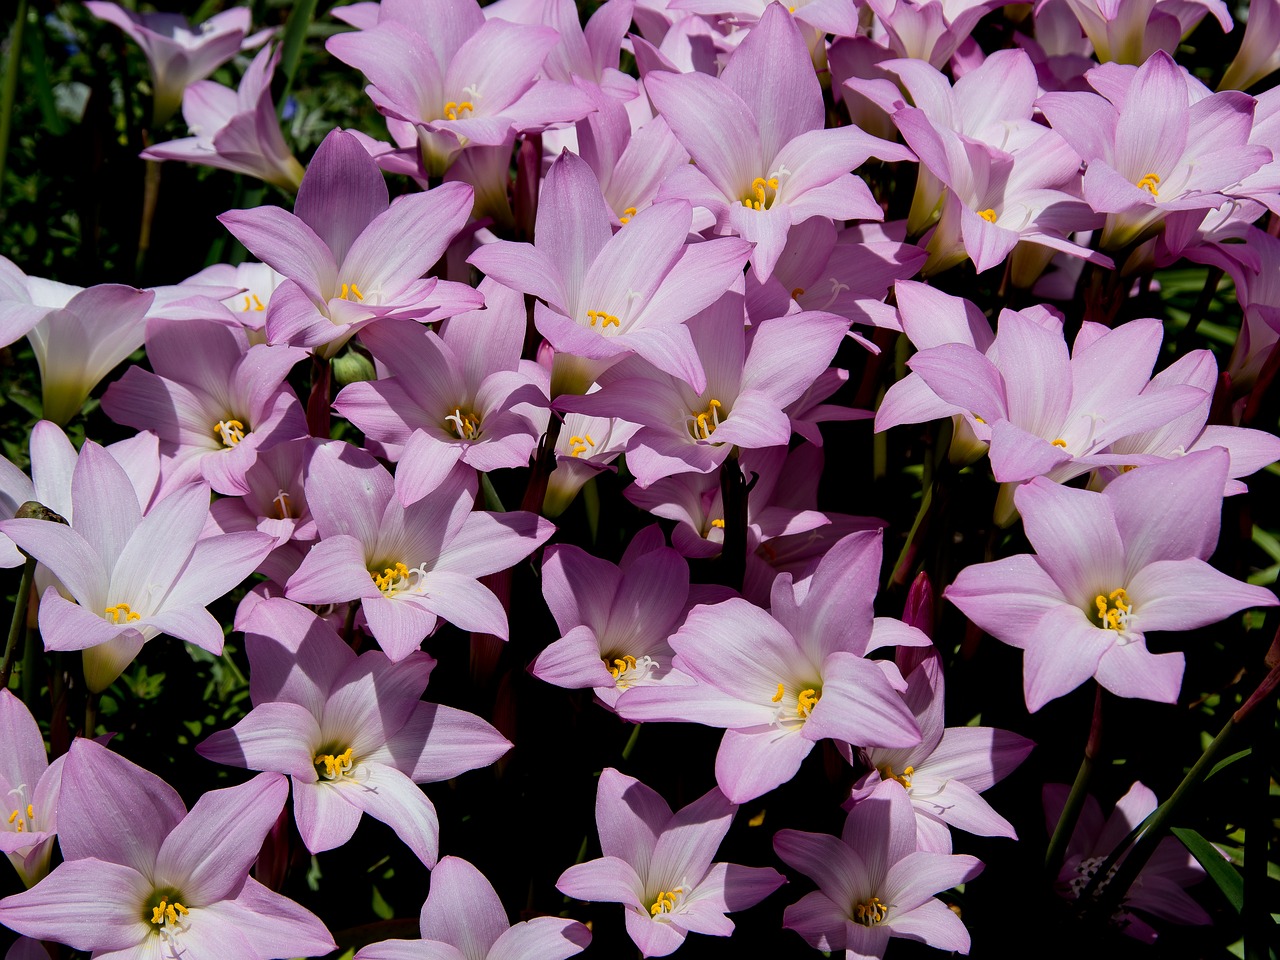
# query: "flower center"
465,425
806,700
605,319
330,766
394,579
20,824
870,912
580,445
251,302
281,500
627,670
120,613
762,193
904,778
350,291
988,215
1149,183
666,901
230,432
168,916
627,214
456,109
702,425
1114,610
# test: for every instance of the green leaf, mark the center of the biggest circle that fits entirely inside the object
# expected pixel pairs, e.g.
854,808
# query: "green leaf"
1223,873
1227,761
380,906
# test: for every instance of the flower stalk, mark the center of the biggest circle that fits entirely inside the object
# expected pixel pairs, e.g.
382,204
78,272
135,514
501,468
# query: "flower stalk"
1079,789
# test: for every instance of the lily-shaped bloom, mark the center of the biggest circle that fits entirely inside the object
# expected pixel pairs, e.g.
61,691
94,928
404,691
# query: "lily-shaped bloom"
214,416
751,379
1047,413
1152,147
780,683
408,566
254,283
614,620
585,447
472,82
143,877
873,882
352,732
607,295
29,786
178,53
930,30
275,502
658,865
349,255
463,919
1259,53
460,396
1108,568
1133,30
763,160
1158,890
132,577
945,773
235,130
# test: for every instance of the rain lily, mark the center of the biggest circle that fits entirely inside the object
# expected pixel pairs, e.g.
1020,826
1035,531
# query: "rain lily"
132,577
1158,890
214,416
658,865
178,53
275,501
235,130
1130,32
929,30
945,773
607,295
349,255
1108,568
797,677
873,883
352,732
614,620
463,919
409,566
143,877
586,446
29,784
1259,54
762,158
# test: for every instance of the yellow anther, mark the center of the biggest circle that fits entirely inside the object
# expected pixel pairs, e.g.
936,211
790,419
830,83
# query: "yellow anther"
1114,609
797,293
904,778
465,425
350,291
157,912
1060,443
717,522
453,109
167,912
627,214
807,700
978,418
870,911
115,613
390,580
606,319
758,198
988,215
621,665
703,425
230,432
31,812
777,697
251,302
1149,183
666,901
335,765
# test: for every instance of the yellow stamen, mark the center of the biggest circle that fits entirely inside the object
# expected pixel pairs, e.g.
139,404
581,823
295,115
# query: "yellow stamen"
904,778
988,215
1149,182
166,912
717,522
1060,443
703,425
777,697
230,432
606,319
758,198
334,765
466,425
807,700
392,579
1114,610
251,302
870,911
666,901
13,816
453,110
31,812
621,665
627,214
350,290
122,610
797,293
978,418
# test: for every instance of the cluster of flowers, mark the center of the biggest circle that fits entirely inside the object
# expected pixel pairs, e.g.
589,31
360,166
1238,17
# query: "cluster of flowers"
701,249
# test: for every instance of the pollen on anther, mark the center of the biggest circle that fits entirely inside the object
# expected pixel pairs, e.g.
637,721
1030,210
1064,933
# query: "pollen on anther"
1150,182
988,215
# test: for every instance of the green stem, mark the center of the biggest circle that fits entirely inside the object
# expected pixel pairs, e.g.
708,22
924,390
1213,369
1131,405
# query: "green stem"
10,89
631,742
1201,309
91,713
1255,912
18,625
150,199
1075,799
295,35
